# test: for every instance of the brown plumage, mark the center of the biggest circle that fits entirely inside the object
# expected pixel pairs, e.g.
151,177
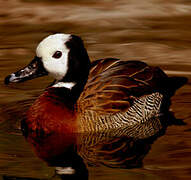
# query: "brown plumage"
114,84
117,92
109,96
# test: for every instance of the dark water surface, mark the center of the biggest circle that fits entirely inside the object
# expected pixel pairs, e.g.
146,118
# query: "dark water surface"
155,31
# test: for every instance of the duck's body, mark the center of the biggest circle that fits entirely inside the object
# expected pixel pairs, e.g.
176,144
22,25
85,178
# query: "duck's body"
109,93
118,93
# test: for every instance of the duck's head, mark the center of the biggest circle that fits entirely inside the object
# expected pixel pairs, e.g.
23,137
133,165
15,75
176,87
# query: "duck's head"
62,56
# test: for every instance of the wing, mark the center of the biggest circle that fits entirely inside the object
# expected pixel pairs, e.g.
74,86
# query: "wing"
113,85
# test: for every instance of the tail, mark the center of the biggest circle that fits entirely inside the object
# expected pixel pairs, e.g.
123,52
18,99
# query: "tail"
174,83
168,89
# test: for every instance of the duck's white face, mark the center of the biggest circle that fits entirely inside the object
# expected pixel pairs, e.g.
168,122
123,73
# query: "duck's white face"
54,54
62,56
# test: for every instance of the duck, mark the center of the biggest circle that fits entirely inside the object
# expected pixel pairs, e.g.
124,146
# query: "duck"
90,96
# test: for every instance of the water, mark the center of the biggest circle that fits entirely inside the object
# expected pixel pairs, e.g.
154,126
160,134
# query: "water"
157,32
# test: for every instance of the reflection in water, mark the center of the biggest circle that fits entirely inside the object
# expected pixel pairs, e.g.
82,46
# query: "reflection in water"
124,147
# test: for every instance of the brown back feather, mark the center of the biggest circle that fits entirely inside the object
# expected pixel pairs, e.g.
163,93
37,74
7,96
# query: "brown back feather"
113,85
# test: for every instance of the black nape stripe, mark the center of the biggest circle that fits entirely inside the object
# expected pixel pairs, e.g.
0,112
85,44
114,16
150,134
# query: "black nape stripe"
78,63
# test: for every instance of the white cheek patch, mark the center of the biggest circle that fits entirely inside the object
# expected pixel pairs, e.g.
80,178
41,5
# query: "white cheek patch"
56,67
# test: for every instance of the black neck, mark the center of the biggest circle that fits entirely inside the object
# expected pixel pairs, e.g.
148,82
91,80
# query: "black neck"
78,71
67,96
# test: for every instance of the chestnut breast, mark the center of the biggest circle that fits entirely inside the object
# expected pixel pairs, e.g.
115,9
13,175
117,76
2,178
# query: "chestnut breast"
50,114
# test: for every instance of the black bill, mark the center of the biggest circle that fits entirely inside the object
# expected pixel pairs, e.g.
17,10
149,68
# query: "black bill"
34,69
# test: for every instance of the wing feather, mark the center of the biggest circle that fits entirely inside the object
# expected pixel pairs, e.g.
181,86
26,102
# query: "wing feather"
113,85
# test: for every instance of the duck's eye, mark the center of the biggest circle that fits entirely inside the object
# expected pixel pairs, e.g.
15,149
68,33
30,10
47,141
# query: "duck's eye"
57,54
